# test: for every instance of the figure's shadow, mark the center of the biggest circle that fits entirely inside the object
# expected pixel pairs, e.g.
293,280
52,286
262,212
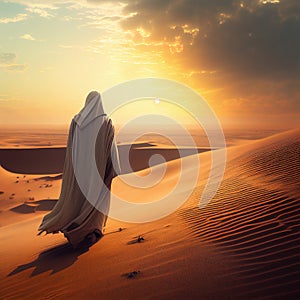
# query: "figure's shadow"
55,259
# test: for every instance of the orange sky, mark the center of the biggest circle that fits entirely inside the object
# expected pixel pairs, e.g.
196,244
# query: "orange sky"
242,57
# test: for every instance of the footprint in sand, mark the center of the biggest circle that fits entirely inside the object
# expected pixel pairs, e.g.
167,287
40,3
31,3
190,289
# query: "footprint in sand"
137,239
132,274
140,239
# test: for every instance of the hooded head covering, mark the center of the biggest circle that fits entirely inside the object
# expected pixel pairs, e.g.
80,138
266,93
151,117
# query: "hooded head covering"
92,109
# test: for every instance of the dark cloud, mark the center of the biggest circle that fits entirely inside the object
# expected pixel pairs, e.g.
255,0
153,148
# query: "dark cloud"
251,43
251,39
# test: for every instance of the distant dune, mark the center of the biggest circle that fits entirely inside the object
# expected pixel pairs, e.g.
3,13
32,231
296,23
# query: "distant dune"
243,245
51,160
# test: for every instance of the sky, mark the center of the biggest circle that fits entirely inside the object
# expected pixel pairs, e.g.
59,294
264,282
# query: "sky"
243,57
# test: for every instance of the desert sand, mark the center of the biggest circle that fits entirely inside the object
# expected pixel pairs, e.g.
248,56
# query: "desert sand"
245,244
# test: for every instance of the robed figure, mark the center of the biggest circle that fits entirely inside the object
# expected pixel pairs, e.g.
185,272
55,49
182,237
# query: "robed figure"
83,205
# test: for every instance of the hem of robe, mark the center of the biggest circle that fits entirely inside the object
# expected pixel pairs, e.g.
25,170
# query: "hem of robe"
95,221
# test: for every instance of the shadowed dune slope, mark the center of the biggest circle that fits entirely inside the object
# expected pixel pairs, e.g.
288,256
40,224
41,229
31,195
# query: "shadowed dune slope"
255,216
51,160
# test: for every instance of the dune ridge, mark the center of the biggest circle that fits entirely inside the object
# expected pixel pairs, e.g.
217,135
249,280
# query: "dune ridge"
255,216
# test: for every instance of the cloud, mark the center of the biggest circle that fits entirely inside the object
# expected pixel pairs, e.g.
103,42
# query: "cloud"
27,37
16,67
8,63
17,18
4,98
39,11
74,4
42,4
6,58
257,39
66,46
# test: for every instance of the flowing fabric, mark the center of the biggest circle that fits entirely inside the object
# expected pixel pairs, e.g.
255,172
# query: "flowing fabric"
73,214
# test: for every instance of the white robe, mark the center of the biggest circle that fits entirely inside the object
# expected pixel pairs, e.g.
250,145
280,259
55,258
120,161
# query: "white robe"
73,214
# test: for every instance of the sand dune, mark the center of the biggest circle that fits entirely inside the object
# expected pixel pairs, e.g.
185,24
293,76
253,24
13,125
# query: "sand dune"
255,216
33,160
51,160
243,245
20,188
